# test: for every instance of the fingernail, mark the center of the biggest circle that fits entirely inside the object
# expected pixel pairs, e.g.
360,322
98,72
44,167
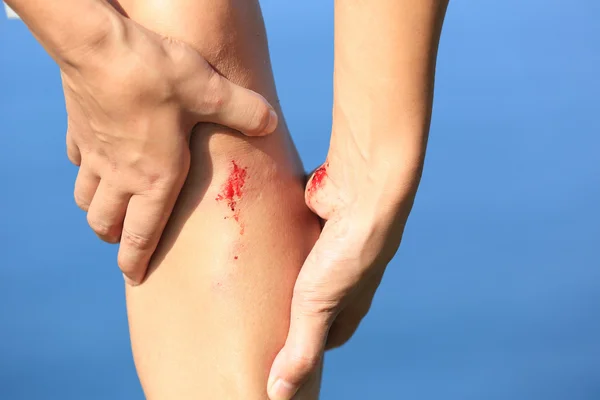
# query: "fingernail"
282,390
273,119
129,281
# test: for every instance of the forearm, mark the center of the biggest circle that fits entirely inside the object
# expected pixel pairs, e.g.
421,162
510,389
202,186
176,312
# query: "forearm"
385,54
69,29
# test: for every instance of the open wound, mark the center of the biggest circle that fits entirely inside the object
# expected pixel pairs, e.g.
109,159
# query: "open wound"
318,179
231,192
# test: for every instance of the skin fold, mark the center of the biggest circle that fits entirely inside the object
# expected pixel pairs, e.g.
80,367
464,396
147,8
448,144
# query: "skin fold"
214,309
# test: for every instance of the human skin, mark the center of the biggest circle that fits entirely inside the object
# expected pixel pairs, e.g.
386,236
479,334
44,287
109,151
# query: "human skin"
385,56
383,92
214,309
132,98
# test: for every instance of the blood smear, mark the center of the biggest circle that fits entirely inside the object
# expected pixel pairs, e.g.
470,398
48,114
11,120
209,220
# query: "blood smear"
231,192
317,179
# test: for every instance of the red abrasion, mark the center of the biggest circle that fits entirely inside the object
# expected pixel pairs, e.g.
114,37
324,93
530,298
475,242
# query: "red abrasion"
232,191
235,258
317,179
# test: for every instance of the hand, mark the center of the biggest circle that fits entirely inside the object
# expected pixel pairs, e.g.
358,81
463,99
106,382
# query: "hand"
131,107
365,209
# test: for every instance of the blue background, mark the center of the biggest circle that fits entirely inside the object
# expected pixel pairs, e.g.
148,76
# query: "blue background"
495,293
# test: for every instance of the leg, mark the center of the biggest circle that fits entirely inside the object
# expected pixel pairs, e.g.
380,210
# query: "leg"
214,310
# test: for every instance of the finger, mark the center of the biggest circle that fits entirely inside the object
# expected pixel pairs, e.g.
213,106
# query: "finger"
85,187
73,152
342,329
349,319
107,211
238,108
144,223
311,316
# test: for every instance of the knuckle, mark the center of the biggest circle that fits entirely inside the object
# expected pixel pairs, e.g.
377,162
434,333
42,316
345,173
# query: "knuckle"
161,178
132,264
216,101
81,203
73,159
128,265
214,96
105,231
315,305
165,180
73,155
137,241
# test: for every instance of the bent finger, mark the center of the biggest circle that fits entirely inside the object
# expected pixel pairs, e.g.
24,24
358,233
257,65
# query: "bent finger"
107,211
144,223
349,319
86,184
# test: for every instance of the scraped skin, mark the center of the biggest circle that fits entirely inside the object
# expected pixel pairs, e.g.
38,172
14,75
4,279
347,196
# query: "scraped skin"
214,309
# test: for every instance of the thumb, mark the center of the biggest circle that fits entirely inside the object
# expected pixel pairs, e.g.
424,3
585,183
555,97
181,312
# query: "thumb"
312,314
237,108
301,354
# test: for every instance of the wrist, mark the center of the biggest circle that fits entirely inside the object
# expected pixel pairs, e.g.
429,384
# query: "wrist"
351,185
96,34
389,167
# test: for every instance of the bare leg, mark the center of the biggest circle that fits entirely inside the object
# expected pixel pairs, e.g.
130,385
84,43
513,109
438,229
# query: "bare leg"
215,308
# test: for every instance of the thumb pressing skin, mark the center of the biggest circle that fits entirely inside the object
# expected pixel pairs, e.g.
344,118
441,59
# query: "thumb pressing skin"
301,355
236,107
